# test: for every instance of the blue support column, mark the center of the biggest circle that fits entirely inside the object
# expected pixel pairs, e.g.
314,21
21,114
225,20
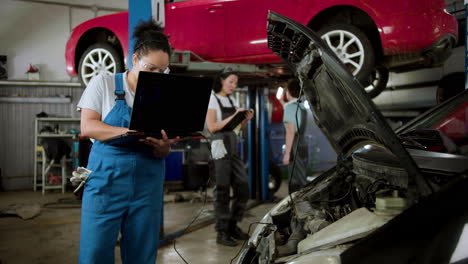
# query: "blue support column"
264,145
140,10
250,138
137,10
258,146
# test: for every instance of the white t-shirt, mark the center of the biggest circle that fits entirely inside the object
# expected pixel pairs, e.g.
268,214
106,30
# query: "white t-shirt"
100,96
214,105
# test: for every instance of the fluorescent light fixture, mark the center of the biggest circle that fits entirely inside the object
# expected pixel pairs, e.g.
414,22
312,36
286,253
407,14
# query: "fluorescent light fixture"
279,93
258,41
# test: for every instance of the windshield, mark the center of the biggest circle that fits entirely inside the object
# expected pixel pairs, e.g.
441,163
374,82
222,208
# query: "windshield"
446,124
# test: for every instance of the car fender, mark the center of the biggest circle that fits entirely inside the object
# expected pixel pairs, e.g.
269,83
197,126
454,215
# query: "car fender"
115,23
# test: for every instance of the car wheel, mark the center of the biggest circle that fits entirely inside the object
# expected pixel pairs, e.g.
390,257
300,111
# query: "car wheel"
377,81
355,50
274,182
100,58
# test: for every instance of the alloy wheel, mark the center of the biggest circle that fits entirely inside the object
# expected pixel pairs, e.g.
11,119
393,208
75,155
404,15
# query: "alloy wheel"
347,47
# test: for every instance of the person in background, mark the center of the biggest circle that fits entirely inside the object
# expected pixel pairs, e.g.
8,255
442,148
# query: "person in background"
295,122
125,189
228,168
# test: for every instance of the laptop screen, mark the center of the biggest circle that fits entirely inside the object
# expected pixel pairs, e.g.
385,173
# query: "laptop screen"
170,102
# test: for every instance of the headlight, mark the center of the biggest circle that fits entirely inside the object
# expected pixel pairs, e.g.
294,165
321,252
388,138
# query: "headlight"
267,219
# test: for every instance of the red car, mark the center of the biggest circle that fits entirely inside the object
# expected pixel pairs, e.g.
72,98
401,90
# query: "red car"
370,37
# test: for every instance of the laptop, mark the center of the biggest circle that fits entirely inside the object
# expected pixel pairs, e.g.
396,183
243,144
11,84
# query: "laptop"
174,103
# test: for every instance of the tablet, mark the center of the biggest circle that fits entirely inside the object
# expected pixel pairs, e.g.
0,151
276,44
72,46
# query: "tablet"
235,121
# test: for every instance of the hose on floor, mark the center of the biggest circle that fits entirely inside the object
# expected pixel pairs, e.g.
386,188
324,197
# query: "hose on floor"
64,203
199,212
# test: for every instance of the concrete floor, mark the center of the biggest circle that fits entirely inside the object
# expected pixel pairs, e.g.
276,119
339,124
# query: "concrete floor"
53,236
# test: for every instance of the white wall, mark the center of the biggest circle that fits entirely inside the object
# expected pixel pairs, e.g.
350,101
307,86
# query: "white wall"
36,32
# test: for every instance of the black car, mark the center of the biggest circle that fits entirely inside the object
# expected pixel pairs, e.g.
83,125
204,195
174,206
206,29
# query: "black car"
393,197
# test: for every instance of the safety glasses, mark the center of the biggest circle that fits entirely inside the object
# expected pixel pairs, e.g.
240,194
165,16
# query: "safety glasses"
146,66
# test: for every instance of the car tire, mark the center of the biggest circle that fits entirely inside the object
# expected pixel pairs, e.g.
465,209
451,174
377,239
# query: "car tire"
355,50
377,81
99,58
274,182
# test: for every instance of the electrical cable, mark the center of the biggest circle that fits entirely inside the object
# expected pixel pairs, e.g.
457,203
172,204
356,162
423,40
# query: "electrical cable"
370,186
64,203
204,202
339,199
295,148
77,204
253,259
245,241
201,209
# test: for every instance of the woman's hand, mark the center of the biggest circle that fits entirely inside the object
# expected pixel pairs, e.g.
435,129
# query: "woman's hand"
161,147
250,114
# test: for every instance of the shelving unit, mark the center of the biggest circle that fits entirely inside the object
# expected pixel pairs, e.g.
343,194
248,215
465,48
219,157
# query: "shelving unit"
39,100
38,83
46,165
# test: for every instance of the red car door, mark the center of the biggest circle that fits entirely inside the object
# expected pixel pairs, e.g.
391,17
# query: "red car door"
245,35
245,28
197,26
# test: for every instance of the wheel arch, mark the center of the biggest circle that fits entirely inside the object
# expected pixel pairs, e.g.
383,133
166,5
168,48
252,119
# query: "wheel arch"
97,35
349,15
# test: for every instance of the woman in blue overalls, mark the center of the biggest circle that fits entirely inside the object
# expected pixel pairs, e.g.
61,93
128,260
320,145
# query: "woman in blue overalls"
125,189
228,170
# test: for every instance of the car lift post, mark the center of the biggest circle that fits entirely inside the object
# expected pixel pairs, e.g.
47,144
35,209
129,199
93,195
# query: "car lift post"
264,130
137,11
251,143
258,145
142,10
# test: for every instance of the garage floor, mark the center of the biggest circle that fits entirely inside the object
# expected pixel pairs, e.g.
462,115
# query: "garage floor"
53,236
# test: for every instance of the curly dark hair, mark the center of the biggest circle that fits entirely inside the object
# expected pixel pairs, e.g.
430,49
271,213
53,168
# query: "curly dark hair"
222,76
149,36
294,88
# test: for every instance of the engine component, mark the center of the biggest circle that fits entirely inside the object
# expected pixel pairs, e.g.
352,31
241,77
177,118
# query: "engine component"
304,209
297,235
376,164
389,204
355,225
315,225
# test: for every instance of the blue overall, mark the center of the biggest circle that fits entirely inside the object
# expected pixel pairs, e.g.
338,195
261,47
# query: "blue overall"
123,193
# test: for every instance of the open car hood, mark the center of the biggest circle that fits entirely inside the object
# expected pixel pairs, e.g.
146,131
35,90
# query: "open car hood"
341,107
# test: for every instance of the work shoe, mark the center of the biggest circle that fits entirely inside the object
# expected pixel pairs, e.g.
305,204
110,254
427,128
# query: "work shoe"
225,239
238,234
